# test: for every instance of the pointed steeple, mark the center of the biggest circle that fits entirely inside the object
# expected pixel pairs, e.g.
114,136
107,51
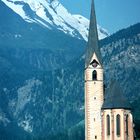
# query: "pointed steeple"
92,46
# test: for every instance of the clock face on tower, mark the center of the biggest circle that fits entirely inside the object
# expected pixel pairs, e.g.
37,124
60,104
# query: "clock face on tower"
94,63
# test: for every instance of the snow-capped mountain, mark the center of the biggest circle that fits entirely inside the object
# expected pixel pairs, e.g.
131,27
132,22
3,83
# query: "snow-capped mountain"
53,15
42,69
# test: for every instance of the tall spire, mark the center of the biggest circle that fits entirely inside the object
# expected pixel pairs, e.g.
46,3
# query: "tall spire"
92,46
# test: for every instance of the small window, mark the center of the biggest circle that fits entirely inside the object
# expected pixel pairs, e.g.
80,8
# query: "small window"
118,125
95,137
94,75
108,125
127,125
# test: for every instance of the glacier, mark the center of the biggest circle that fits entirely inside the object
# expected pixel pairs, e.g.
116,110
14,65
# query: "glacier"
53,15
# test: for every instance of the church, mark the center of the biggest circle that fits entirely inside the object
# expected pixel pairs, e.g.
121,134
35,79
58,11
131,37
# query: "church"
107,112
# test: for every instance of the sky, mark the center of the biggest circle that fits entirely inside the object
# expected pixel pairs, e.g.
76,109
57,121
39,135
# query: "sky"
112,15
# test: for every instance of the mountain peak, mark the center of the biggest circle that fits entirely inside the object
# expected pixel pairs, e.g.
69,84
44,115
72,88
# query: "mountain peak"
53,15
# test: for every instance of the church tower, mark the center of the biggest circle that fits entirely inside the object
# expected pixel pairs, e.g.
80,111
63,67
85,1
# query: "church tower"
109,119
93,83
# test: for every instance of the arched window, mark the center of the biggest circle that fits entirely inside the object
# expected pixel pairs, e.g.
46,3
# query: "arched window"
127,125
118,125
94,75
108,124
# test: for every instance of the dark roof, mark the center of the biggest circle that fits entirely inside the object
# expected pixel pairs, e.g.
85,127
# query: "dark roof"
92,45
114,98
